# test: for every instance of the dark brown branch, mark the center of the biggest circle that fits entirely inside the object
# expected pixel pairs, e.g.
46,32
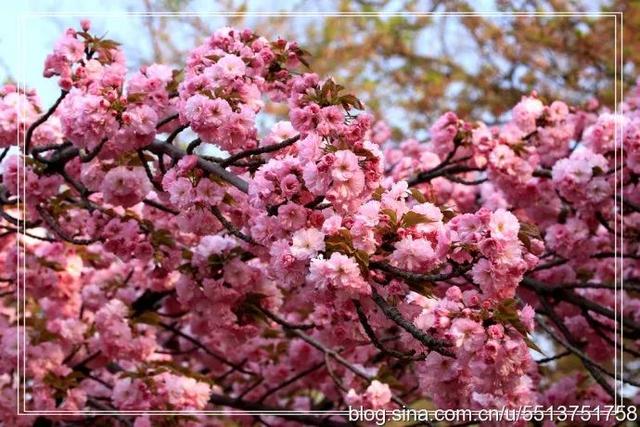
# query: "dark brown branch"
207,350
374,339
260,150
11,230
417,277
175,133
315,202
18,222
55,227
284,323
290,381
166,120
63,155
37,155
147,170
552,358
326,350
92,154
588,285
96,404
81,189
41,120
542,173
542,289
80,366
591,366
462,181
550,264
193,145
161,147
602,255
445,171
427,340
230,227
4,153
160,206
629,204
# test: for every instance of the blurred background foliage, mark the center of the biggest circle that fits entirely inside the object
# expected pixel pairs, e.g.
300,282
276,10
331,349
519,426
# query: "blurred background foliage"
410,69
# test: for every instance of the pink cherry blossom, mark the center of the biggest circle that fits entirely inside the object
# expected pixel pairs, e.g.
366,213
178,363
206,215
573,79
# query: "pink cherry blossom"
125,186
184,247
306,243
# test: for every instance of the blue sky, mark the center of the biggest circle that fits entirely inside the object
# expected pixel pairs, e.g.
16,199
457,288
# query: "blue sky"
38,33
25,42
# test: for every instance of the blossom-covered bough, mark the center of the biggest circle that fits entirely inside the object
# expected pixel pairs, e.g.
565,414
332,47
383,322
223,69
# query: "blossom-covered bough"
313,266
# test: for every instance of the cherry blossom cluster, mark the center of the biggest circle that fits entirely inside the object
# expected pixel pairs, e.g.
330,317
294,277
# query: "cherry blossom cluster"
311,264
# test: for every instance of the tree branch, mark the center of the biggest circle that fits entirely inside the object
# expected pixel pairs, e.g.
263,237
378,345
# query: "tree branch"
260,150
326,350
374,339
161,147
427,340
230,227
41,120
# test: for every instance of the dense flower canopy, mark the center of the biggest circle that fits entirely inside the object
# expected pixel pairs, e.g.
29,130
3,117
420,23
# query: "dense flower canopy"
315,265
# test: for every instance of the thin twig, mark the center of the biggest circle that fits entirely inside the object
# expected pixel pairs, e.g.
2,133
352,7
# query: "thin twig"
393,314
317,344
290,381
147,170
211,353
230,227
374,339
166,120
41,120
55,227
260,150
161,147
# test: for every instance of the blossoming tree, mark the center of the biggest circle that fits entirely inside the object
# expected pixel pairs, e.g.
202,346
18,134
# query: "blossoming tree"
313,266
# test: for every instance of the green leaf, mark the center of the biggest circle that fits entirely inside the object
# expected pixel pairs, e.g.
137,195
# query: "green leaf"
386,375
148,318
393,218
340,242
423,288
411,219
519,148
176,78
447,213
348,101
533,345
62,384
530,229
507,313
527,232
51,264
228,199
247,311
107,44
162,237
418,196
377,194
134,98
85,35
38,332
364,153
362,258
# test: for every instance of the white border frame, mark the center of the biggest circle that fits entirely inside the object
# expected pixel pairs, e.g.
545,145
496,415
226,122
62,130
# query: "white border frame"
21,279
